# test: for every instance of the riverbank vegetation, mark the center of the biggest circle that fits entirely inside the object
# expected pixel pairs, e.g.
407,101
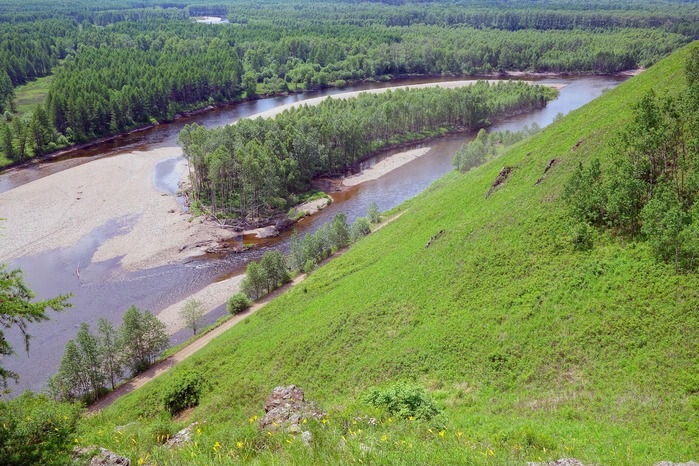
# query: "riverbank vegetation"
117,67
18,309
532,349
257,167
486,145
90,361
275,269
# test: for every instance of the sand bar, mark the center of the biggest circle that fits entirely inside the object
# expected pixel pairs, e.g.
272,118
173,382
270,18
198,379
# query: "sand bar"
57,210
384,166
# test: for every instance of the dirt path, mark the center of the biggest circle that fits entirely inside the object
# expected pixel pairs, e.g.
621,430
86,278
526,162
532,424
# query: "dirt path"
163,366
159,368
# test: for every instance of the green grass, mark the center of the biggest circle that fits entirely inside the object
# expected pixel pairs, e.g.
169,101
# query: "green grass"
534,351
28,96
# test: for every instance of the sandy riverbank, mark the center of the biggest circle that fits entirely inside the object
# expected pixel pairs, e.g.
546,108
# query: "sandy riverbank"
384,166
58,210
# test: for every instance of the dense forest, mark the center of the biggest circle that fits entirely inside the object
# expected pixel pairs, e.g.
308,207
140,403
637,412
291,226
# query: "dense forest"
651,192
255,167
121,65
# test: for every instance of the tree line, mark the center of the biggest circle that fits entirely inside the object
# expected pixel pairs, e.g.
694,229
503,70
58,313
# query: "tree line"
90,361
257,167
120,67
651,193
275,269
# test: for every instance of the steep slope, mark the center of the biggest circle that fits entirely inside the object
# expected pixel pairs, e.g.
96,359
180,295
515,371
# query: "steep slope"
535,351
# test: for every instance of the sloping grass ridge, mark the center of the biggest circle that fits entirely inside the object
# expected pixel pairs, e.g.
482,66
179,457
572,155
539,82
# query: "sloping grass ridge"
533,351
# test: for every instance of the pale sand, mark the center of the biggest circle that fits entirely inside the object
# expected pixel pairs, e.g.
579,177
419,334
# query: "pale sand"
384,166
57,210
313,207
210,297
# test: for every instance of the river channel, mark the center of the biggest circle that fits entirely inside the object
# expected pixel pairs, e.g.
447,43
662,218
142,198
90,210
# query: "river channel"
104,290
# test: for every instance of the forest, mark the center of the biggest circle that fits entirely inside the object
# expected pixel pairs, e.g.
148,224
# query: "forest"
255,167
120,66
651,192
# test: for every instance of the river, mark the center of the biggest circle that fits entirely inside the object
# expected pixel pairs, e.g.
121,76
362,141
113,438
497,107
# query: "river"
103,290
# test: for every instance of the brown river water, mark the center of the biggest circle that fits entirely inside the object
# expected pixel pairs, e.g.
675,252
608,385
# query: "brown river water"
103,290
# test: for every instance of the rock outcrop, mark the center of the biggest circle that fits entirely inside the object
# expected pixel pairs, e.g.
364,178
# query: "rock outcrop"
670,463
560,462
182,437
109,458
286,407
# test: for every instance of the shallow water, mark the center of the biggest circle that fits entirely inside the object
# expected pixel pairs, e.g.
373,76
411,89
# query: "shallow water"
104,290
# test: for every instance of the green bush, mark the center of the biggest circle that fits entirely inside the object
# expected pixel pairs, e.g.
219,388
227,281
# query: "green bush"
373,213
583,239
309,266
237,303
360,228
37,430
404,400
183,393
162,429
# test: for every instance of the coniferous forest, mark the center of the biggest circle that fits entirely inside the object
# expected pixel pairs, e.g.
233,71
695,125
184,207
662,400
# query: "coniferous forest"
117,66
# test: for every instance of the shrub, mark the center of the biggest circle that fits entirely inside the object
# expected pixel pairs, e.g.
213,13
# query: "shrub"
373,213
36,430
309,266
274,269
183,392
404,400
237,303
162,429
584,237
360,227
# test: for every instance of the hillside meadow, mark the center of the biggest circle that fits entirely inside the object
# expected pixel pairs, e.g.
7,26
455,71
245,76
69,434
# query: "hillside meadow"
533,351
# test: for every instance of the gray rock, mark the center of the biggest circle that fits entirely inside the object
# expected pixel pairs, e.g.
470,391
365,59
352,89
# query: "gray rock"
307,437
670,463
560,462
182,437
109,458
286,407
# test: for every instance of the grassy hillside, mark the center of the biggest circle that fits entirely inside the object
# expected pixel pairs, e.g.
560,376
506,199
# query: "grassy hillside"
534,351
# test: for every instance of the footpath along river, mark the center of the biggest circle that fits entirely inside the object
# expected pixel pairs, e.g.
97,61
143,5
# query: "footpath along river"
104,288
